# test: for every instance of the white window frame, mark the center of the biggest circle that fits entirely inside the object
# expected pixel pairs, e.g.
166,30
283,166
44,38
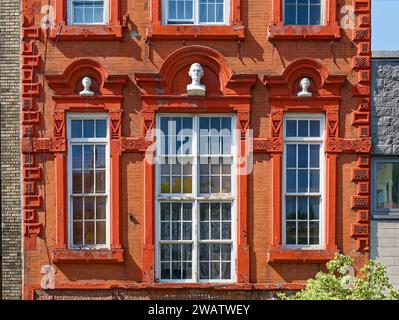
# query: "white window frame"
305,140
196,15
88,116
195,198
380,211
70,13
322,14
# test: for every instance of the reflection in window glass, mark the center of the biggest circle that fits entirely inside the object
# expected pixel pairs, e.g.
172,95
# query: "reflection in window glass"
199,221
88,197
87,11
302,182
195,11
387,189
302,12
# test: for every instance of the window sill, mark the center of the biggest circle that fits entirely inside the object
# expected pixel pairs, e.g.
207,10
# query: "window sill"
86,32
299,256
88,256
282,32
173,32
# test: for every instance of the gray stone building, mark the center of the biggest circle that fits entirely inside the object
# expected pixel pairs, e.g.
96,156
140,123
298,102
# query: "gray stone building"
11,256
384,235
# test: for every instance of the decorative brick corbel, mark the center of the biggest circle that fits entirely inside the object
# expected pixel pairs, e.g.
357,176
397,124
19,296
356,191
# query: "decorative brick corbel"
115,122
243,123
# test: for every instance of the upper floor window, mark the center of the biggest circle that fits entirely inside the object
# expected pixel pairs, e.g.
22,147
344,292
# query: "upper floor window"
195,11
386,185
88,11
302,184
88,181
303,12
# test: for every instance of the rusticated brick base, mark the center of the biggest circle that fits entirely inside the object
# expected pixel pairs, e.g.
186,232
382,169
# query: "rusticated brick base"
156,294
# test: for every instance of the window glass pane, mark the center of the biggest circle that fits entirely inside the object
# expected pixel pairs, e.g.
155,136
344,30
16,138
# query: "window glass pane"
78,13
189,9
314,233
290,232
77,156
98,14
302,208
88,181
314,128
314,155
291,180
290,13
303,15
302,232
100,232
76,128
88,14
77,205
387,185
89,208
88,128
302,180
172,7
291,128
303,128
314,183
165,184
100,208
100,156
88,156
76,181
303,156
101,128
180,10
89,232
315,14
314,203
290,208
78,233
100,181
291,156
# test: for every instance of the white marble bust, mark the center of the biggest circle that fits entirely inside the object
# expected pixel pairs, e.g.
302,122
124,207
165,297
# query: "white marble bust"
304,85
195,88
86,82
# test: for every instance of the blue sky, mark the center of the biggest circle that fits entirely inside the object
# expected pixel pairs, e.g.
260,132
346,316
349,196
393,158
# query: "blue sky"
385,24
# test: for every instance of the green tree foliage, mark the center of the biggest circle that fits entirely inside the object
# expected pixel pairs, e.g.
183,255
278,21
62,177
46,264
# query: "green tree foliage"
371,283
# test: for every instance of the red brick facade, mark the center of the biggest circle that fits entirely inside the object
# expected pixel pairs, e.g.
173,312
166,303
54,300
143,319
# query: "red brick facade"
139,70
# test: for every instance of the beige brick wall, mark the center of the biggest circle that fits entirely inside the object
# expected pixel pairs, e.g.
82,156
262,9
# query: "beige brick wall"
384,238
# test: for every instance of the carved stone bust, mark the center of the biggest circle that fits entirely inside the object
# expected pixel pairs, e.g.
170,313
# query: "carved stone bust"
304,85
86,82
195,88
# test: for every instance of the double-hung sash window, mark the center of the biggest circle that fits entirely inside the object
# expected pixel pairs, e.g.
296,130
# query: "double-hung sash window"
88,181
87,12
195,199
303,186
195,11
303,12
